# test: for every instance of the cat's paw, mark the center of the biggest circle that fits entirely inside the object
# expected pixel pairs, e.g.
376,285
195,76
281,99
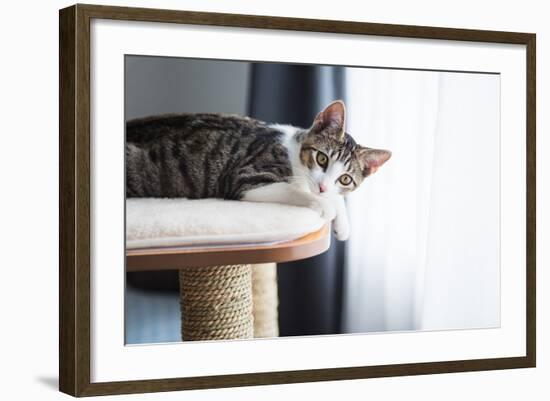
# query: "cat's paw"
341,229
324,207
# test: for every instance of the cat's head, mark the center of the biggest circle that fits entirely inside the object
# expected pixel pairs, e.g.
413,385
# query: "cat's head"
336,164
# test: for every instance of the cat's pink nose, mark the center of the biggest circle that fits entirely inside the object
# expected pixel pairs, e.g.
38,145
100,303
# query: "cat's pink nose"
322,188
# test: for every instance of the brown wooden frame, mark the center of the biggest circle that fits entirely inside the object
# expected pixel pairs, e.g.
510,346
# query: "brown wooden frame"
74,202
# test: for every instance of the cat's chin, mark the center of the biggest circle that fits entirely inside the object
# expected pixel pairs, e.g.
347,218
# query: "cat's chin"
328,195
317,192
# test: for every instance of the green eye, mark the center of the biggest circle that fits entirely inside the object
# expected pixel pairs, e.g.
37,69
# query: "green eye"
322,159
345,179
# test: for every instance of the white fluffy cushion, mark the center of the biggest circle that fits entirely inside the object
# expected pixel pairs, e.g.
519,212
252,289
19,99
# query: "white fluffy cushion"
184,222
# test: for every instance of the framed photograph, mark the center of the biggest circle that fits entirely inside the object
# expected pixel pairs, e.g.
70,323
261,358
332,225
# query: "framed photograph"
250,200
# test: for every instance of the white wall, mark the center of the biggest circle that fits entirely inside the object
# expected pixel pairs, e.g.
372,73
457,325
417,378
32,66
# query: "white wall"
28,212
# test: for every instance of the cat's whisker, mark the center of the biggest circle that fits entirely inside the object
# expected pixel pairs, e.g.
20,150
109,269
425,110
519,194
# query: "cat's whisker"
301,180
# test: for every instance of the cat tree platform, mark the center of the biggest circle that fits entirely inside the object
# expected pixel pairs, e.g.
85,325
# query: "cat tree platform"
226,254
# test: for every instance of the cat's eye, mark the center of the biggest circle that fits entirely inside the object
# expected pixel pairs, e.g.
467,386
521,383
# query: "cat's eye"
345,179
322,159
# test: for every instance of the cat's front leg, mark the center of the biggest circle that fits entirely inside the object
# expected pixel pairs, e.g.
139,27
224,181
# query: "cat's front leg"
340,225
291,194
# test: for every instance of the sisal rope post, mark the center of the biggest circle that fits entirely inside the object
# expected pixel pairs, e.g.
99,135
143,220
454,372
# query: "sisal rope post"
216,302
265,300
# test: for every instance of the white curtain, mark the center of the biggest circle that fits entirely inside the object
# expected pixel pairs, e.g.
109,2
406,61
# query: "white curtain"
423,250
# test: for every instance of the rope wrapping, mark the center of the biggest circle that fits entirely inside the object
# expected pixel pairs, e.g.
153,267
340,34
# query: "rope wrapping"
216,302
265,299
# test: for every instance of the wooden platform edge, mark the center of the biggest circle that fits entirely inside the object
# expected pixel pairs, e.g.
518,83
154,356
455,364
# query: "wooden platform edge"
152,259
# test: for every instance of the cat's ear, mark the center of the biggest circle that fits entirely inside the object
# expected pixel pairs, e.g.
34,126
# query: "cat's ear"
332,119
372,159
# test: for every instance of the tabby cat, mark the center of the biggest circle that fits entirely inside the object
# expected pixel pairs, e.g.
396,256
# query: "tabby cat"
232,157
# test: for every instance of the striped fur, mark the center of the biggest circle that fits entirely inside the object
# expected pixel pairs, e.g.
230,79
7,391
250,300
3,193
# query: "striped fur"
202,156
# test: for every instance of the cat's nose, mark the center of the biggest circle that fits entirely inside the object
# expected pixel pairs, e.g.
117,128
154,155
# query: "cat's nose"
322,188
